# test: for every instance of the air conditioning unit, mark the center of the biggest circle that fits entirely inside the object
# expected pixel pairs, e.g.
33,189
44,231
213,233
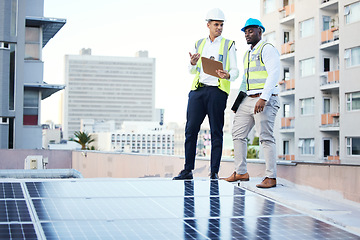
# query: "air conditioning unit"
35,162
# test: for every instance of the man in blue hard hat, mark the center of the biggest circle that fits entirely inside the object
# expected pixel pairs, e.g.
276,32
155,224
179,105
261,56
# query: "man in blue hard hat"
209,93
259,108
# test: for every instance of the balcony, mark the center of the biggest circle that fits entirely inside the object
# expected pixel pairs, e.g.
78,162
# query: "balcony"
287,13
287,157
287,85
288,52
288,47
330,35
330,80
330,122
333,159
288,123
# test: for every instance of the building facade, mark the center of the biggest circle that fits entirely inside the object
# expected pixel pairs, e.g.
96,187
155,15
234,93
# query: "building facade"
108,88
24,31
319,43
137,137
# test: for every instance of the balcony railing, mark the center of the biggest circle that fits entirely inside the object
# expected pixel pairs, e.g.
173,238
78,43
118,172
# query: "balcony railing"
287,10
287,122
287,84
287,157
288,47
330,35
330,77
330,119
333,77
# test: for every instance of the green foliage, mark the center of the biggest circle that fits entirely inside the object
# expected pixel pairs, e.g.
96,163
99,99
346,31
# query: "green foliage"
256,141
91,148
252,153
83,138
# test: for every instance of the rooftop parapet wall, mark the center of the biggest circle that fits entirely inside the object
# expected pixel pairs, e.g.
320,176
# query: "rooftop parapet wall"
342,179
15,159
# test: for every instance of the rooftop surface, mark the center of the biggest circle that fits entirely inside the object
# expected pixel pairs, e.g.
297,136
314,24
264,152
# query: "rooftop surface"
159,208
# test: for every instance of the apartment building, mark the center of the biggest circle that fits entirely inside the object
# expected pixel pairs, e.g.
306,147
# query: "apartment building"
137,137
24,32
319,43
106,88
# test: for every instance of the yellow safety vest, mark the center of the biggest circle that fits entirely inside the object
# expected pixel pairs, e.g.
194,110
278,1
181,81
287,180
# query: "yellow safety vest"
254,69
225,46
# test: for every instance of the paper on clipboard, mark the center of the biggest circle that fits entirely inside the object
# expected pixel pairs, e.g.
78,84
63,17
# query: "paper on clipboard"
210,66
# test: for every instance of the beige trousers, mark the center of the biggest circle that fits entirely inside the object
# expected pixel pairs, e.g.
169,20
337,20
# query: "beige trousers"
244,121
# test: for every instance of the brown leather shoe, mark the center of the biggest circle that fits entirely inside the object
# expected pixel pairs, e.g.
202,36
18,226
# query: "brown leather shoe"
236,177
267,183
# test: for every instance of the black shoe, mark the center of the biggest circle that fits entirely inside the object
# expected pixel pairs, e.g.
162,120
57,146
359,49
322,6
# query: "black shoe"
183,175
214,176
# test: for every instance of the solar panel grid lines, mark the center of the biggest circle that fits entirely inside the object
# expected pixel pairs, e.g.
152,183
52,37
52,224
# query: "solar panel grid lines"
158,209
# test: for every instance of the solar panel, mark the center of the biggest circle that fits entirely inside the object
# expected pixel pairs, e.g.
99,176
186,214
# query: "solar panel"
150,209
10,190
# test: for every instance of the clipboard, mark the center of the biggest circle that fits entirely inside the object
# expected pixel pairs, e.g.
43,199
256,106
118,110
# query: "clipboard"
210,66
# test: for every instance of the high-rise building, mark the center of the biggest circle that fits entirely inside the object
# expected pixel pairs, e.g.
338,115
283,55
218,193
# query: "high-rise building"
319,43
24,31
107,88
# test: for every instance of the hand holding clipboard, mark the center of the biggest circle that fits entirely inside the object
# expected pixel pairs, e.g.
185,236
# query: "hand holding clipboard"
214,68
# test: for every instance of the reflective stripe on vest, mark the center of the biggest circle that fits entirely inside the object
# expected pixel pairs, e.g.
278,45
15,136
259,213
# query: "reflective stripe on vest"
254,69
225,45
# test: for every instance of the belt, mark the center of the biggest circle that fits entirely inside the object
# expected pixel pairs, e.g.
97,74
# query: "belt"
258,95
205,85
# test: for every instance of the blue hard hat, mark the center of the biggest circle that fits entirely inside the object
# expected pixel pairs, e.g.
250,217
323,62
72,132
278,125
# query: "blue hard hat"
253,22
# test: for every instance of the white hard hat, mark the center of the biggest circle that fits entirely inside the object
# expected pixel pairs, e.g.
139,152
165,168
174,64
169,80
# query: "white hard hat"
215,14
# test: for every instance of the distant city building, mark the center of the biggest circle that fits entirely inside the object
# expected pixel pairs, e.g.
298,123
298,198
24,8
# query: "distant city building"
24,31
107,88
137,137
92,126
51,134
179,138
319,43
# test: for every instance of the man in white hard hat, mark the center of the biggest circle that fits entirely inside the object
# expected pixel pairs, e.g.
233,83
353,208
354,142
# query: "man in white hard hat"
209,94
259,108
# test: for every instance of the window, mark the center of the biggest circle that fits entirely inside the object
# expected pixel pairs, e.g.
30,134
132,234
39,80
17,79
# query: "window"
352,13
326,105
13,17
32,43
326,64
326,23
307,106
353,101
307,146
12,77
285,147
31,107
307,28
269,6
307,67
286,37
353,146
286,74
352,57
286,110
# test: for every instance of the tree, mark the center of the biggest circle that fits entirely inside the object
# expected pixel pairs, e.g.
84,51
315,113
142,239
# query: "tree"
83,138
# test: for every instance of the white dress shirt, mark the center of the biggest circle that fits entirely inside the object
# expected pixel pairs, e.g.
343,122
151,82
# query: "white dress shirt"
211,49
271,59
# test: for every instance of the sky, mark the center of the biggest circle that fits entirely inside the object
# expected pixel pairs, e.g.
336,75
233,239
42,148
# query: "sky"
167,29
